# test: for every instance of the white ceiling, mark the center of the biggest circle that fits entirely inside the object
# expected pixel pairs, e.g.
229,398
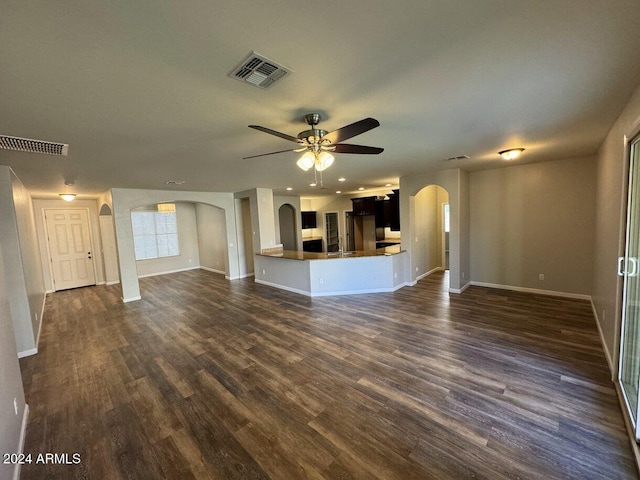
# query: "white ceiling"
140,89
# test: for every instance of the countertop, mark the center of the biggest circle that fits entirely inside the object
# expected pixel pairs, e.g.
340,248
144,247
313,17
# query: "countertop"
299,255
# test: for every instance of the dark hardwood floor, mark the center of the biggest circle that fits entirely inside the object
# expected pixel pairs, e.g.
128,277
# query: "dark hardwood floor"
210,379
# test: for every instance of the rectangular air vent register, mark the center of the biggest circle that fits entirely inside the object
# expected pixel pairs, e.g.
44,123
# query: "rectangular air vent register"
259,71
33,146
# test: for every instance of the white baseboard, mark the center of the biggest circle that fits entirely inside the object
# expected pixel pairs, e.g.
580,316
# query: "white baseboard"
49,291
208,269
460,290
115,282
332,294
282,287
607,354
23,436
168,272
238,277
44,300
131,299
100,283
552,293
27,353
432,271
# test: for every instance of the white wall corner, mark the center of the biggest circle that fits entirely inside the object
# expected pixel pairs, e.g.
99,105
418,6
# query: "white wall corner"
23,436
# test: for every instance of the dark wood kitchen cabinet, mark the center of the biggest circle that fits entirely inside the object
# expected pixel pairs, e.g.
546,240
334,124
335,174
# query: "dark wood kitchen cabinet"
394,211
364,206
309,220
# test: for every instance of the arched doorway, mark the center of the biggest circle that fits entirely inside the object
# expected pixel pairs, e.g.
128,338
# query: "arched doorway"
287,219
431,231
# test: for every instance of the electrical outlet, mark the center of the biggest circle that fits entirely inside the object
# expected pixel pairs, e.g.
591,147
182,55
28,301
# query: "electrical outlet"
264,272
416,269
462,274
321,281
541,276
395,274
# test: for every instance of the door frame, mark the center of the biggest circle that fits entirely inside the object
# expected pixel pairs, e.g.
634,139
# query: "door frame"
46,232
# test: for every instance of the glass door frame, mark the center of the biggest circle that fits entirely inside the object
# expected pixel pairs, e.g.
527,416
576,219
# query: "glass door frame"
628,266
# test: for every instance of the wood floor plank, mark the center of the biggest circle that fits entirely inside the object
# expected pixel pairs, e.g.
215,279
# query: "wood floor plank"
210,379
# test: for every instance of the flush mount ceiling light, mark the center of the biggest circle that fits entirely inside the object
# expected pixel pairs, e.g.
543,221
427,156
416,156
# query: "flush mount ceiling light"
166,207
511,154
67,197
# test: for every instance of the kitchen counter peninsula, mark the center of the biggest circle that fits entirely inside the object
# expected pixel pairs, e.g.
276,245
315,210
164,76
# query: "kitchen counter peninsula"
334,273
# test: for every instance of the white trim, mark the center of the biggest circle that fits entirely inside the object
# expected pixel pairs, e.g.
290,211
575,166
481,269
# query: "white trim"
101,283
131,299
552,293
112,283
23,436
635,448
282,287
212,270
41,321
238,277
49,291
607,354
167,272
331,294
433,270
460,290
27,353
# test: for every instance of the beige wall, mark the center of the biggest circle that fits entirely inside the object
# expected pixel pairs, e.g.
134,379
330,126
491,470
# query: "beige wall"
28,241
22,268
212,238
10,380
534,219
609,224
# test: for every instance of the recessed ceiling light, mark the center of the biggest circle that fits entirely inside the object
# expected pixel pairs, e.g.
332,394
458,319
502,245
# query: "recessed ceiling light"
511,154
338,192
175,182
387,184
342,179
67,197
289,189
361,188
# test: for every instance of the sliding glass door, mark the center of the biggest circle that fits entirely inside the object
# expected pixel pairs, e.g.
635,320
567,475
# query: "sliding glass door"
629,369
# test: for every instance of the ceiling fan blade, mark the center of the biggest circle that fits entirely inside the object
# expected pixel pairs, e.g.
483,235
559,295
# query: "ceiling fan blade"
361,149
271,153
352,130
273,132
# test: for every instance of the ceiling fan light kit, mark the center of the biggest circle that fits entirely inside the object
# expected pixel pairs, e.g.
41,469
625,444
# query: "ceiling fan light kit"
317,143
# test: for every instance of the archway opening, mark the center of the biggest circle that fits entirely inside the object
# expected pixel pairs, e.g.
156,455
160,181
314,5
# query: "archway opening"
431,232
287,220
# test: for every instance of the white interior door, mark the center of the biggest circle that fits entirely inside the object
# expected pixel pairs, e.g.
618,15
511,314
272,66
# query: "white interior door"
70,248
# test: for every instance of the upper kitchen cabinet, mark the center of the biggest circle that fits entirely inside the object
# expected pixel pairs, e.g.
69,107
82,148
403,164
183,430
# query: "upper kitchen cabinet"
309,220
394,211
364,206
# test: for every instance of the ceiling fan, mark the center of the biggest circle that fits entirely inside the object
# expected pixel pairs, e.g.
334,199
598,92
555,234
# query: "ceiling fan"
317,143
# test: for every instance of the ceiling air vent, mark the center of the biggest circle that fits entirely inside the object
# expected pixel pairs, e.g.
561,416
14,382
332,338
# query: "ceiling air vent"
259,71
32,146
